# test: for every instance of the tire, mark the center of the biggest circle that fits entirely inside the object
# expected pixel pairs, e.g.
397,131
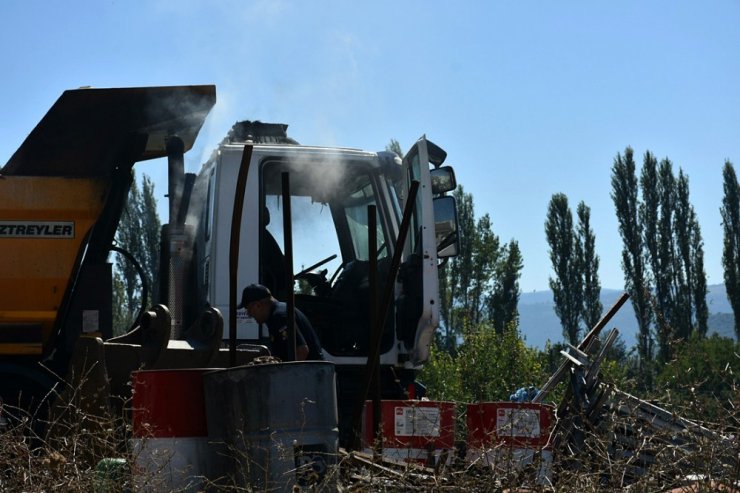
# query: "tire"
27,392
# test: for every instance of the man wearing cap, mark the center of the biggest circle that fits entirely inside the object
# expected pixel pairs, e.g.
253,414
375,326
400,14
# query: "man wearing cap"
265,309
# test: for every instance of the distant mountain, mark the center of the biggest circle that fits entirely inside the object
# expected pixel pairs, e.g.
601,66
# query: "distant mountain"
538,322
723,324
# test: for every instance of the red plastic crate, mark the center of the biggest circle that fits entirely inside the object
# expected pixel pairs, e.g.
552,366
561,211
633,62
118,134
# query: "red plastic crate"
522,425
413,424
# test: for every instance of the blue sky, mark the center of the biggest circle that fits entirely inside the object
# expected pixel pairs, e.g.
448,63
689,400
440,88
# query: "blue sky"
528,98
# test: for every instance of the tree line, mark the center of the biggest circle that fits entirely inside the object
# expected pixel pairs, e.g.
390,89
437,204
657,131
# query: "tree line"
662,261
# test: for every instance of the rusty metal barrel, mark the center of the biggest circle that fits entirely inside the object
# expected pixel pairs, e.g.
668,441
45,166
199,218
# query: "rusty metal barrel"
275,424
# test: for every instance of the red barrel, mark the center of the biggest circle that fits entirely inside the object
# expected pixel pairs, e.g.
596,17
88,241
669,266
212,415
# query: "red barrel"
506,435
170,435
413,431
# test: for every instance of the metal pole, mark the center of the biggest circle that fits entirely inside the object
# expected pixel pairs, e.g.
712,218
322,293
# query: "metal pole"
372,249
288,247
596,330
383,308
236,227
585,343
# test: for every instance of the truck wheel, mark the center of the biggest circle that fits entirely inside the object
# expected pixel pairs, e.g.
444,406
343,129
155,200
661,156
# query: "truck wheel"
27,392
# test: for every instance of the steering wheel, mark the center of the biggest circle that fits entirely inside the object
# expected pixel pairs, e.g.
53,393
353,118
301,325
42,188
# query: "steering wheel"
315,266
317,280
336,273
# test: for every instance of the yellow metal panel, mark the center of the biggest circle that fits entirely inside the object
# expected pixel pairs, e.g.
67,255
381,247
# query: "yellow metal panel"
43,224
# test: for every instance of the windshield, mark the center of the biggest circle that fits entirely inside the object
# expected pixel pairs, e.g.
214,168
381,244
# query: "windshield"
329,211
356,214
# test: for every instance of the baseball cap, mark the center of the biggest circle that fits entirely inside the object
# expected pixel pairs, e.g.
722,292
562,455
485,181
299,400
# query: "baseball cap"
253,292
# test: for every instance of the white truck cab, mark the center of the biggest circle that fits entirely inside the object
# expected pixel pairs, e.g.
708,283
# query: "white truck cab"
330,191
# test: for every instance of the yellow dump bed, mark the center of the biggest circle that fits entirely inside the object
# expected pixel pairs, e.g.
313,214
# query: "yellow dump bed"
55,195
43,223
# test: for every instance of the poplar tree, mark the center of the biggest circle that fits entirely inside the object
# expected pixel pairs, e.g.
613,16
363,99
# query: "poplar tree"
589,268
151,227
625,197
662,265
128,238
566,286
676,259
730,212
663,252
503,301
486,252
576,288
692,293
138,234
699,293
457,273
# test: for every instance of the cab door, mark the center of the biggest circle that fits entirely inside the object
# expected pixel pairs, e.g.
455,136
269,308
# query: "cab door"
418,302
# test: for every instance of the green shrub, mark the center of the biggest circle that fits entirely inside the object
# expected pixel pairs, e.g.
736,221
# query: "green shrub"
488,366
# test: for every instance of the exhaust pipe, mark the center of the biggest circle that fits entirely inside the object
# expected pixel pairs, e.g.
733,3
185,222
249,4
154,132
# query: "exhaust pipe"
175,176
174,237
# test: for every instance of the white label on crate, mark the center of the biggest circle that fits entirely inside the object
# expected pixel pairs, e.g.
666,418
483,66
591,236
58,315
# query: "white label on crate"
513,422
417,421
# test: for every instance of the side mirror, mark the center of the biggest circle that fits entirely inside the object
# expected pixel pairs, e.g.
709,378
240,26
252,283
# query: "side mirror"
443,179
437,155
446,227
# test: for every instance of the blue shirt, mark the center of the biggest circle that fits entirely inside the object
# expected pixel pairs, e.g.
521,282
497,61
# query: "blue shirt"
277,325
